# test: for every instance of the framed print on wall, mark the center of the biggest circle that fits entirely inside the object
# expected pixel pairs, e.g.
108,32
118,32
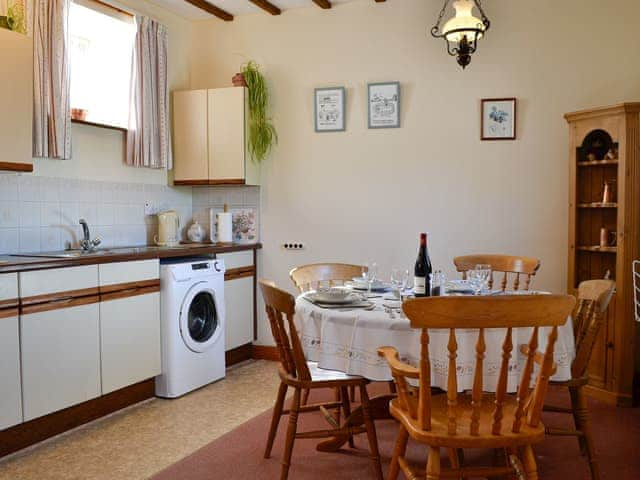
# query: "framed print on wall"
330,109
384,105
498,119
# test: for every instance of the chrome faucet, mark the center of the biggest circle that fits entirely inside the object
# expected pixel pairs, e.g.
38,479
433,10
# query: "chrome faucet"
86,243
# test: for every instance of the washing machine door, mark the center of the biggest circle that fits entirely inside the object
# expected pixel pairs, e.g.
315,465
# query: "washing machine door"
200,319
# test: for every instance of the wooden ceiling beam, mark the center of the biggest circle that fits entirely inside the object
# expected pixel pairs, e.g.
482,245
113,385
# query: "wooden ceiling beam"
212,9
267,6
326,4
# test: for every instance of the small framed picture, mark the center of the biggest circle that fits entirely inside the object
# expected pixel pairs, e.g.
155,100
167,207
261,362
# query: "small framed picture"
384,105
330,109
498,119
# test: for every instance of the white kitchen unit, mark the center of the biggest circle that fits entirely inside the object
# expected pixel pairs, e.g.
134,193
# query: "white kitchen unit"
239,298
129,323
11,396
210,138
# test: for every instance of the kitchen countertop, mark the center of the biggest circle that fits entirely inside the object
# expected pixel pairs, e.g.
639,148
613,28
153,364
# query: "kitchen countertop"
23,263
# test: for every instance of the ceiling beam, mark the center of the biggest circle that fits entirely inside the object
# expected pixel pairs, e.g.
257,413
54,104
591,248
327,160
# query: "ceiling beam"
212,9
267,6
323,3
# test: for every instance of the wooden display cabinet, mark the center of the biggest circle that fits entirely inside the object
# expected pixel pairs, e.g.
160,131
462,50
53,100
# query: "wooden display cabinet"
603,147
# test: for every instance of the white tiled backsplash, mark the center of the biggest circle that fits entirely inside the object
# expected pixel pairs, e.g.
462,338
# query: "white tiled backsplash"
42,213
213,199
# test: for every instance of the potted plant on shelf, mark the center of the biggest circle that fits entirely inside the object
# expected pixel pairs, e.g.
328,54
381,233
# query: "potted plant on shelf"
14,18
262,133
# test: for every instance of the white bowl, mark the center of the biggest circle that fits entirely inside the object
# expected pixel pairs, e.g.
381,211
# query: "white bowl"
333,294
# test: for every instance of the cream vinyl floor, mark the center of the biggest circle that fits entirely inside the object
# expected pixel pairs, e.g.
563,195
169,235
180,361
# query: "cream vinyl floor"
135,443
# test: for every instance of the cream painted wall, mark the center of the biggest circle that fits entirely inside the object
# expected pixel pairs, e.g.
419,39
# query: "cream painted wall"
366,194
98,154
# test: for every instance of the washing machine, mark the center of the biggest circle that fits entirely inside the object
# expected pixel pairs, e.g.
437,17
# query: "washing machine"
192,324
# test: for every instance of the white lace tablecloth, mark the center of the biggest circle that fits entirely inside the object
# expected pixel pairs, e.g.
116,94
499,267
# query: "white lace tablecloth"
347,341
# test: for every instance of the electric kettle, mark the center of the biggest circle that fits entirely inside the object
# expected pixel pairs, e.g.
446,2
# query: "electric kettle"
168,227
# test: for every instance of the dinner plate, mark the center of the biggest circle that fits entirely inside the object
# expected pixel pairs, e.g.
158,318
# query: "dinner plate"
377,286
318,298
459,286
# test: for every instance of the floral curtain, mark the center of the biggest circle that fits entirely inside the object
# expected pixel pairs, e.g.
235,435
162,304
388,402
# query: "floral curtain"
51,99
148,141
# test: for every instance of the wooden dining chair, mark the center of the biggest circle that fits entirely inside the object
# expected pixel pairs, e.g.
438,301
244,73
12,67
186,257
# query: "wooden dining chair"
295,372
588,316
479,420
316,275
507,265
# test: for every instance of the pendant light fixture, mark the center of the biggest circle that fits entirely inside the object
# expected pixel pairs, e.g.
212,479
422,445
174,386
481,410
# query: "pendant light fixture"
463,31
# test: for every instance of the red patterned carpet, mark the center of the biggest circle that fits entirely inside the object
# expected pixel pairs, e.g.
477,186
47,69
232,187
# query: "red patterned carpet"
238,454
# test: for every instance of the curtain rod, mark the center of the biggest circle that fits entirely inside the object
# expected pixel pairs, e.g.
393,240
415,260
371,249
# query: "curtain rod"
125,9
113,7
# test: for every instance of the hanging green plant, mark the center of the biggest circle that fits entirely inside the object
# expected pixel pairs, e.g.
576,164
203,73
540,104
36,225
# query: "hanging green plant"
16,18
262,133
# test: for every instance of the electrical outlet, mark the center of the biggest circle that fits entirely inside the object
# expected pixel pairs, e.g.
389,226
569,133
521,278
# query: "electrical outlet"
293,246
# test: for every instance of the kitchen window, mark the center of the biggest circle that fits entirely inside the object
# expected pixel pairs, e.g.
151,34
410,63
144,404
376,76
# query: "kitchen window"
101,41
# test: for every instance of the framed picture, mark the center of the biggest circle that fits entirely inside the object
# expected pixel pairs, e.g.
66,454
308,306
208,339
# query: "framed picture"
330,109
384,105
498,119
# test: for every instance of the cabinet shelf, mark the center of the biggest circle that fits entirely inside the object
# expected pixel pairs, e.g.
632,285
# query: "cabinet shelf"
596,163
598,249
598,205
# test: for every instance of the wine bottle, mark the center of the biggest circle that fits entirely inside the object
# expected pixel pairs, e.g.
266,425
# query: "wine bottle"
422,270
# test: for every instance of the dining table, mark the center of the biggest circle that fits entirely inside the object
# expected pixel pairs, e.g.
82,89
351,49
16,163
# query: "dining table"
346,339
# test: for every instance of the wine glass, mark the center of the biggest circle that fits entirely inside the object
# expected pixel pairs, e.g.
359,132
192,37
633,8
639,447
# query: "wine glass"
372,275
479,277
399,280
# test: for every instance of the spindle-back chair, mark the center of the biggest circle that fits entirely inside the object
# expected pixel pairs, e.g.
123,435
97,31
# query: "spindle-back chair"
508,265
479,420
316,275
588,316
297,373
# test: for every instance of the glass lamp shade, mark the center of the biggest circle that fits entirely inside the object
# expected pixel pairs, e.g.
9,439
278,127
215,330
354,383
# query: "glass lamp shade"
464,20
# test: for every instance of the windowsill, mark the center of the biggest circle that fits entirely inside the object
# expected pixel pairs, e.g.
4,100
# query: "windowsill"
99,125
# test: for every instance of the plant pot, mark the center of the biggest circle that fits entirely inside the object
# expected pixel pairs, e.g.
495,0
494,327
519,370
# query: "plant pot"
238,80
79,114
4,22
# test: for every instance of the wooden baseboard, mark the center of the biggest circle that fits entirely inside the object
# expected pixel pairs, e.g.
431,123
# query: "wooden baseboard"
606,396
239,354
29,433
264,352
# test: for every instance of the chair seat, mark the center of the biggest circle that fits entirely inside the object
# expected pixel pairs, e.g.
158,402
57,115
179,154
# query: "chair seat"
438,435
321,378
322,375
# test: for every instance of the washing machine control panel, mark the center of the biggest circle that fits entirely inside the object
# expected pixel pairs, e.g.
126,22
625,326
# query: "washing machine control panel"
200,266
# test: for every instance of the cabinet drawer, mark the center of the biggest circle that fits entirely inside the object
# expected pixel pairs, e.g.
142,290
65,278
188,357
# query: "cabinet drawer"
237,259
128,272
60,353
59,280
11,396
8,289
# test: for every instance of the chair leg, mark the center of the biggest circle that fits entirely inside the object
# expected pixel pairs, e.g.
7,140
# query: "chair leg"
392,388
398,451
529,463
275,419
291,434
352,393
454,459
346,407
305,396
583,424
371,432
338,398
433,464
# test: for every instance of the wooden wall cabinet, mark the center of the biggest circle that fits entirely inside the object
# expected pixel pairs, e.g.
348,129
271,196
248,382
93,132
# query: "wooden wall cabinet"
16,98
210,138
604,148
11,397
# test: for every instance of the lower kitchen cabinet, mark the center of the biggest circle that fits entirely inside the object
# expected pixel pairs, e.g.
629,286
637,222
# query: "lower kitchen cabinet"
130,337
60,351
238,295
11,396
